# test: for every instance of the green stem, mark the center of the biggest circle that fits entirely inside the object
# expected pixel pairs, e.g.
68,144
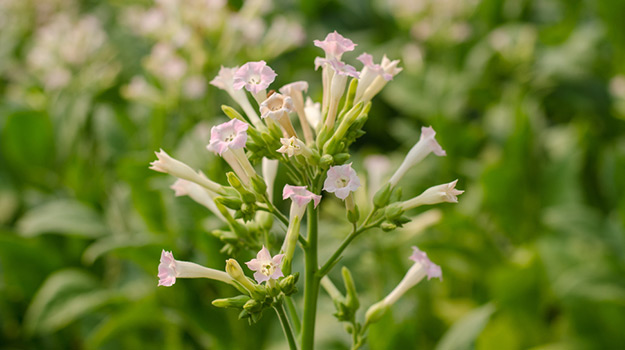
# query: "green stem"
337,254
286,326
293,312
311,288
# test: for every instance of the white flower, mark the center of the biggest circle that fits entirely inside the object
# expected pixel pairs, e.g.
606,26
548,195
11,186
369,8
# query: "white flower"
427,144
433,195
169,269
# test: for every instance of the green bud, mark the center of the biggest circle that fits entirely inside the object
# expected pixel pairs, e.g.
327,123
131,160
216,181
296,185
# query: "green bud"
341,158
326,161
268,138
252,306
382,197
287,284
375,312
234,302
396,196
349,97
259,185
230,202
225,236
351,297
393,212
233,180
232,113
332,146
387,226
353,215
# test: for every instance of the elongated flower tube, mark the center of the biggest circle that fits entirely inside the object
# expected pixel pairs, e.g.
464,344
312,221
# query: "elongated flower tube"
269,171
421,268
255,77
427,144
369,73
339,73
434,195
198,193
334,45
171,166
295,92
313,112
390,69
225,81
277,107
300,197
169,269
265,266
228,140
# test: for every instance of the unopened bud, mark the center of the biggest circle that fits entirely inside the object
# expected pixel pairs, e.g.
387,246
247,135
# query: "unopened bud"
393,212
232,113
236,272
382,197
341,158
234,302
326,161
388,226
375,312
259,185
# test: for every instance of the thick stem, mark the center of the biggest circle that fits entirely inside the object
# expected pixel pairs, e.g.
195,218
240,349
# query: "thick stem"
311,288
286,326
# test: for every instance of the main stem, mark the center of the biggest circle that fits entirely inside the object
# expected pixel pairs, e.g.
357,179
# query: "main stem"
311,288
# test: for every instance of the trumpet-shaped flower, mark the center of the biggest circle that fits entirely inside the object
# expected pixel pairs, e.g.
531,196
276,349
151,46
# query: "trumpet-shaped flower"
335,45
421,268
225,81
341,180
434,195
300,195
427,144
254,76
277,107
198,193
265,266
169,269
232,135
169,165
295,92
374,77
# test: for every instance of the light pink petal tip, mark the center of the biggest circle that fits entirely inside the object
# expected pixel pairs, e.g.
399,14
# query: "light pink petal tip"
232,134
254,76
341,180
300,195
265,266
432,270
167,269
427,134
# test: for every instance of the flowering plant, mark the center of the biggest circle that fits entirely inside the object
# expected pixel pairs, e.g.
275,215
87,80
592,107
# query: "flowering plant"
315,163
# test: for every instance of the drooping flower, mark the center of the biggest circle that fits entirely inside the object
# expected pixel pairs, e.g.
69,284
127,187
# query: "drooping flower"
335,45
433,195
265,266
228,135
169,165
169,269
341,180
254,76
421,268
427,144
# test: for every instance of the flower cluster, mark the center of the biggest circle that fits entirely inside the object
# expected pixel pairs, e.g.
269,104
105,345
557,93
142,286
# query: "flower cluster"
313,148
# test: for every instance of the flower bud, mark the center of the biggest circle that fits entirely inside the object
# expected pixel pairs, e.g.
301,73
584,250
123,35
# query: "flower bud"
375,312
287,284
381,198
393,212
232,113
234,302
259,185
341,158
230,202
236,272
326,161
252,306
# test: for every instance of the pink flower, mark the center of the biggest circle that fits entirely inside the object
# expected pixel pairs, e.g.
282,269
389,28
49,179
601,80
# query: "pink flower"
376,69
434,195
255,76
169,269
265,266
300,195
431,269
339,67
427,144
335,45
341,180
232,134
225,79
293,88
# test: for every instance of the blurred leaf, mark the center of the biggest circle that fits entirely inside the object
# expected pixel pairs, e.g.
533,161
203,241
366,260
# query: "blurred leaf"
464,332
28,140
64,216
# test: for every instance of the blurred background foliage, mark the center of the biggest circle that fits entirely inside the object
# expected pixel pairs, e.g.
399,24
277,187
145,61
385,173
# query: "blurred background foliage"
527,97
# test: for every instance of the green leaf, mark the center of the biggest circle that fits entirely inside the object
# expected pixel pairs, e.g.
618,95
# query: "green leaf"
28,140
465,331
62,216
